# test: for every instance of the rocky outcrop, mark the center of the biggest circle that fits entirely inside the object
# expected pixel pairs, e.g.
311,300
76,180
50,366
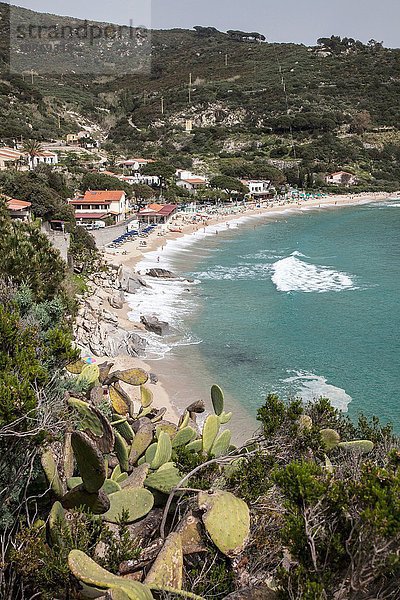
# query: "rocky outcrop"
160,274
129,281
98,331
154,325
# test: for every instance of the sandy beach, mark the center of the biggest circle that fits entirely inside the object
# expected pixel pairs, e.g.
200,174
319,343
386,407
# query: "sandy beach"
132,253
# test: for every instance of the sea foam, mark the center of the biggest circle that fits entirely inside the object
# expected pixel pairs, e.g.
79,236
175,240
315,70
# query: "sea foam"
292,274
310,387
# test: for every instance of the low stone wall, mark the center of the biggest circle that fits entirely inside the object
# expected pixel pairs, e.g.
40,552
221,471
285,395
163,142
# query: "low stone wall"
108,234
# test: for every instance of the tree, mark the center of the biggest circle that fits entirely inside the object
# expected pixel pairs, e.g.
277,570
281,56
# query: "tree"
163,170
230,185
32,148
28,257
361,122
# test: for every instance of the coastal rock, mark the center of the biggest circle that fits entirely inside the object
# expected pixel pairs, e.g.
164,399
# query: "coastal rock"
116,301
154,325
160,274
129,280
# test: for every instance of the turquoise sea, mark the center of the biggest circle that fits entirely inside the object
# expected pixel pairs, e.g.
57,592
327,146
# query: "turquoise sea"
303,304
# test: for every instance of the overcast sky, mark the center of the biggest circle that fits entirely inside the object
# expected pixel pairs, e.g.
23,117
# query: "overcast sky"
300,21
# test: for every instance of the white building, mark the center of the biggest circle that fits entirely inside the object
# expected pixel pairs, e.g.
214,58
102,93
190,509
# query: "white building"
99,205
9,157
341,178
135,164
258,188
190,181
45,157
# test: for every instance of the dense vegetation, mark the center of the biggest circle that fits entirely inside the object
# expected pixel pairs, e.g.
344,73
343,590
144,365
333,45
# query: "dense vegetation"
281,105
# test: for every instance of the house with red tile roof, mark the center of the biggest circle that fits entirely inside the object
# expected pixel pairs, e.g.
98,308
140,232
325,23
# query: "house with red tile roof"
99,205
18,209
159,214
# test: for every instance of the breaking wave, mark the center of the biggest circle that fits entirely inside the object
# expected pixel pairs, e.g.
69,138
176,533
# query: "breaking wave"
292,274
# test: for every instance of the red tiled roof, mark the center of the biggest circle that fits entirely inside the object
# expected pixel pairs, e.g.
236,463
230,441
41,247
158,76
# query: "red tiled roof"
103,195
167,209
13,204
195,180
164,210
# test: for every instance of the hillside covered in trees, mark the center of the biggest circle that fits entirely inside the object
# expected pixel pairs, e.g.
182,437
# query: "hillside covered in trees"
317,109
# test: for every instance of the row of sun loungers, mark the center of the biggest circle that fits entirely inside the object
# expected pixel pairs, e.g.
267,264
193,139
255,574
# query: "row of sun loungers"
130,235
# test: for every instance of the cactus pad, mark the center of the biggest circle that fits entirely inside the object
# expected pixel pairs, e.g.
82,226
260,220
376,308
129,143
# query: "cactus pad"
142,440
88,376
169,428
195,446
217,398
210,432
221,444
86,570
137,478
163,451
227,520
110,487
225,418
134,377
104,371
330,438
146,396
124,428
122,451
89,460
183,437
165,479
79,496
119,403
88,418
167,570
57,524
50,468
137,502
357,446
76,367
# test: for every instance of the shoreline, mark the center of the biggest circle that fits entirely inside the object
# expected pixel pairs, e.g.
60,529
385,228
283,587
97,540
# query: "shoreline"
132,255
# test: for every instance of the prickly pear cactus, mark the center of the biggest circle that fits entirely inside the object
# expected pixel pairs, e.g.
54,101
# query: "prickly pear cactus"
226,519
119,402
210,432
195,446
137,502
217,398
357,446
146,396
225,418
110,487
184,436
98,502
167,570
330,438
124,428
76,367
221,444
88,376
50,469
88,418
163,451
142,440
89,460
57,524
134,377
122,451
86,570
164,479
